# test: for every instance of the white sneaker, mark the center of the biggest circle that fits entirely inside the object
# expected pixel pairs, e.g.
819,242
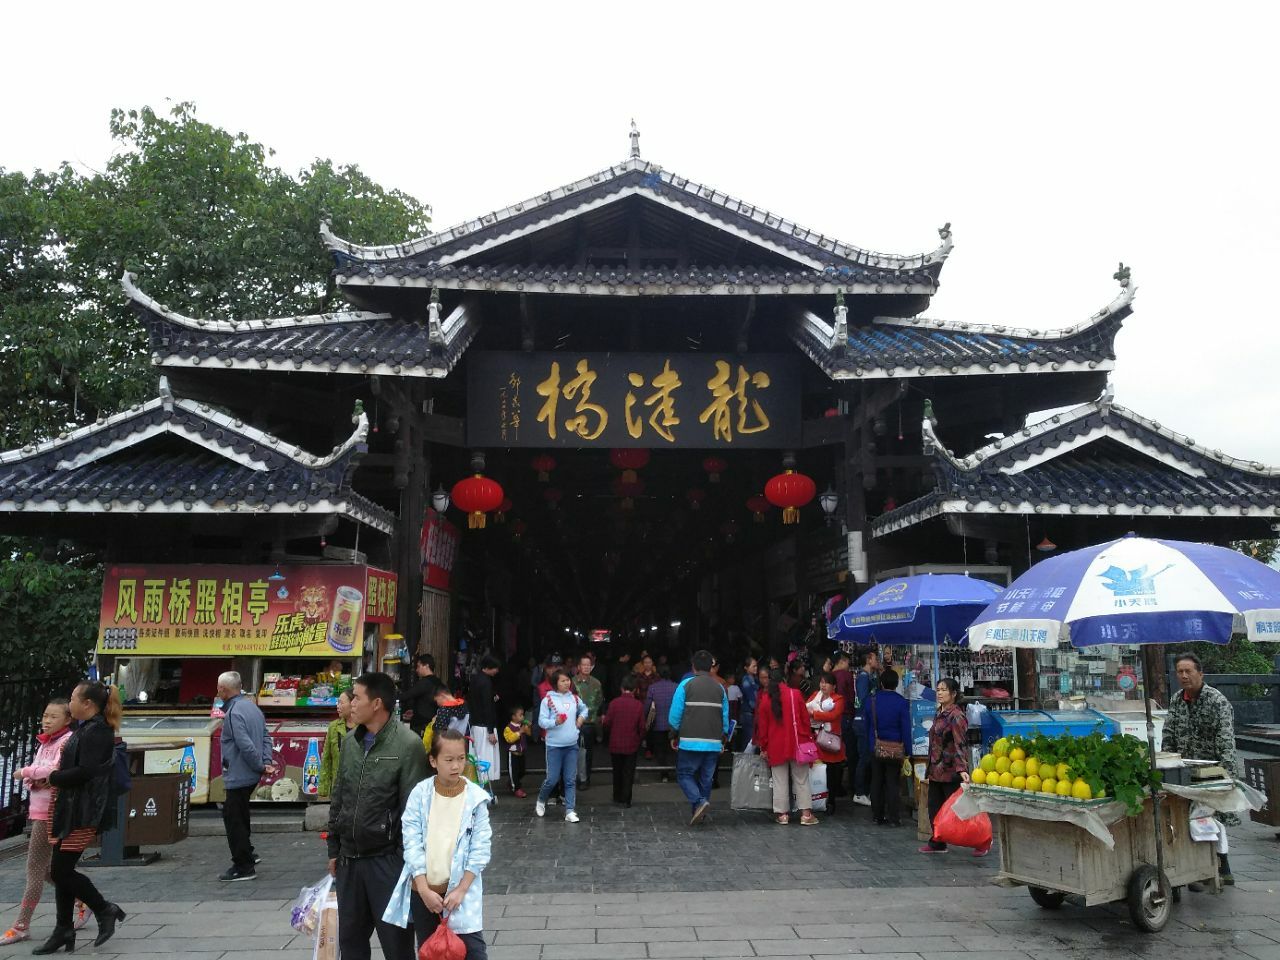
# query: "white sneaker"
862,801
570,817
540,808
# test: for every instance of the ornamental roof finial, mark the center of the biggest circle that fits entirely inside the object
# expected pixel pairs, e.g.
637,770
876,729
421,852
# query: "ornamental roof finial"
635,140
1122,274
929,414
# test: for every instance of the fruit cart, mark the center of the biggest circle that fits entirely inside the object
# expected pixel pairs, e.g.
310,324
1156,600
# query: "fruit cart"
1100,852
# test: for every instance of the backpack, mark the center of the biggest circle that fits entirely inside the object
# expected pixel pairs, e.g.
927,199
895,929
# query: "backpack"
122,780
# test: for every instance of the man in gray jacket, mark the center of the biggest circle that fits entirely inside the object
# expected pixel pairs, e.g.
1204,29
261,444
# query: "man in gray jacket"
246,756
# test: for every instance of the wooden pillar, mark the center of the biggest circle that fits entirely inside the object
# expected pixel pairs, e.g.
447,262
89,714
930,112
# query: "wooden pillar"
1024,662
1154,678
412,474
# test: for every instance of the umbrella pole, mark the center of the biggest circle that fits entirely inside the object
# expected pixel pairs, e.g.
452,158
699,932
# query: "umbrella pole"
937,662
1155,795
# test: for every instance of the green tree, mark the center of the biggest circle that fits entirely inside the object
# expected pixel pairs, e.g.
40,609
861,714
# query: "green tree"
212,229
1242,655
210,226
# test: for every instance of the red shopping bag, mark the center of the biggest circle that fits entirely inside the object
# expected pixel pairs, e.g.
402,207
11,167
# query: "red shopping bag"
443,944
948,828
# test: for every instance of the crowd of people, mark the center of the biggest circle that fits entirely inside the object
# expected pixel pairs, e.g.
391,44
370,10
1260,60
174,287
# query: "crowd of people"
409,834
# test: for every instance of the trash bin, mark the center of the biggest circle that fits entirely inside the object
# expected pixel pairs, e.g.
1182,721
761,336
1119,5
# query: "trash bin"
159,804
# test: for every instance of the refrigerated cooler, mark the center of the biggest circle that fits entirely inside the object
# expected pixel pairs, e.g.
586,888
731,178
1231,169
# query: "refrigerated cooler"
1050,723
194,759
296,748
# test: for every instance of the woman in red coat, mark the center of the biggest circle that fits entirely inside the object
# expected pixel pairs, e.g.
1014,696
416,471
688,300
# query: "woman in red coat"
826,707
782,724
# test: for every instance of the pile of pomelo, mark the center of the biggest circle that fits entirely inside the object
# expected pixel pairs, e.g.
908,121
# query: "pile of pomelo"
1013,769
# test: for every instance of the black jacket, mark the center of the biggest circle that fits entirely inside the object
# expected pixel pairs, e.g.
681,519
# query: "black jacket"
421,699
484,712
371,789
85,779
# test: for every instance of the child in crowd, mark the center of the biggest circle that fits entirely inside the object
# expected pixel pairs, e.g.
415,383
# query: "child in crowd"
516,734
447,837
55,727
451,714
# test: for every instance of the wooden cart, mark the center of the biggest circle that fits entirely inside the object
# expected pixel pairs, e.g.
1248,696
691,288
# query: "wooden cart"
1056,858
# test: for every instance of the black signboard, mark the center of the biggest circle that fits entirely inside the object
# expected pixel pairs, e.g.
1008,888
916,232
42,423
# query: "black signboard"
726,401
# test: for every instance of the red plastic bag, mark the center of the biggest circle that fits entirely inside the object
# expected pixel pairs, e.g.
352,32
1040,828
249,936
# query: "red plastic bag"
949,828
443,944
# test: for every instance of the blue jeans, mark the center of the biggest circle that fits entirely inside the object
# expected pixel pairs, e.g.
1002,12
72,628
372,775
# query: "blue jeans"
694,771
562,767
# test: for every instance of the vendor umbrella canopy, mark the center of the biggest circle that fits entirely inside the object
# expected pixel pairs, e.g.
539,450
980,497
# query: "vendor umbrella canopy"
1135,590
925,609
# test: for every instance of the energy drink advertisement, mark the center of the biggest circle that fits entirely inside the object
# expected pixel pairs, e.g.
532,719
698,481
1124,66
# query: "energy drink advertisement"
224,610
188,766
311,769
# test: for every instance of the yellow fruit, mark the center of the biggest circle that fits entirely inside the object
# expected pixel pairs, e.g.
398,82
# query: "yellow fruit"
1048,785
979,776
1080,790
1033,767
1001,747
1002,765
1063,772
1064,788
1006,779
988,763
1017,753
1017,767
1033,784
1019,783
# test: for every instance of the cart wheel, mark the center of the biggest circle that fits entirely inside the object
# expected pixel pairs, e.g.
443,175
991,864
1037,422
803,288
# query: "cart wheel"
1049,899
1150,899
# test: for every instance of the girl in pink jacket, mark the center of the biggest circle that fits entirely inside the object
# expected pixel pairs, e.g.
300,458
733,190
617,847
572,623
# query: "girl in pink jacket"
56,730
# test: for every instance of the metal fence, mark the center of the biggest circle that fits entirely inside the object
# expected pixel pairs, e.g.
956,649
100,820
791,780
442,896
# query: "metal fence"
22,703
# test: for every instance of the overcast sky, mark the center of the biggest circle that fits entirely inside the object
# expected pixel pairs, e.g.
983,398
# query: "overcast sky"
1056,141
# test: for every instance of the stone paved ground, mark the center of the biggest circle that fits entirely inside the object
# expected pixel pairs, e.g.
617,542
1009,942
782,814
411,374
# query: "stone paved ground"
639,883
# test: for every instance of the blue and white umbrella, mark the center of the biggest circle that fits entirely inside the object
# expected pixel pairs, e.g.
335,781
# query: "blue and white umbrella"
1134,590
923,609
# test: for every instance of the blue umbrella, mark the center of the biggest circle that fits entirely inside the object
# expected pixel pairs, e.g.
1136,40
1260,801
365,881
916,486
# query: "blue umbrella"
1135,590
924,609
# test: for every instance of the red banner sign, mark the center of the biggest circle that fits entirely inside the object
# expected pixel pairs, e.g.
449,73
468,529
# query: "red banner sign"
380,597
439,547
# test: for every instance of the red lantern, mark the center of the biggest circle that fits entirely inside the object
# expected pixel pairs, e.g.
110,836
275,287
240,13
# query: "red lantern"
477,496
695,496
790,491
552,495
831,412
714,467
758,506
501,515
629,460
544,463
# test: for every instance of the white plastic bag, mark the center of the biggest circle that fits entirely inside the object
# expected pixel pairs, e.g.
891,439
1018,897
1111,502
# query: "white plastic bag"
818,787
305,916
752,785
1204,828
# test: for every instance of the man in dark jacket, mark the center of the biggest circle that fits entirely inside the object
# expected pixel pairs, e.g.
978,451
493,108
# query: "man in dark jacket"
246,756
379,765
482,702
419,706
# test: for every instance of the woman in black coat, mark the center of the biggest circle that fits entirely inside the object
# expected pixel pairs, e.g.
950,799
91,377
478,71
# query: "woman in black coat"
84,804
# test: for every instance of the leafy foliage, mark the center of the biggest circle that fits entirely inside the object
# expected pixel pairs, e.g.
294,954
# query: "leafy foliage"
204,219
1119,767
49,606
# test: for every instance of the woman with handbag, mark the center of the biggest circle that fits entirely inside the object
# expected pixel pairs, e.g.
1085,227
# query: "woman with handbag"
786,743
948,763
83,803
888,733
826,707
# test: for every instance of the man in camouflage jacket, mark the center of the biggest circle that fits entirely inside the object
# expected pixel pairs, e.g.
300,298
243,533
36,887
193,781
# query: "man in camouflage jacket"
1201,726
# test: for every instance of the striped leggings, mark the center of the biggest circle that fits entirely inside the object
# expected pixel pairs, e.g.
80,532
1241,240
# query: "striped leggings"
39,854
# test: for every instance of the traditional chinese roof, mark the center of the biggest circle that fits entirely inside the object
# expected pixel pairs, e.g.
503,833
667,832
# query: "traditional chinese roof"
786,256
172,455
1096,460
921,347
354,342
